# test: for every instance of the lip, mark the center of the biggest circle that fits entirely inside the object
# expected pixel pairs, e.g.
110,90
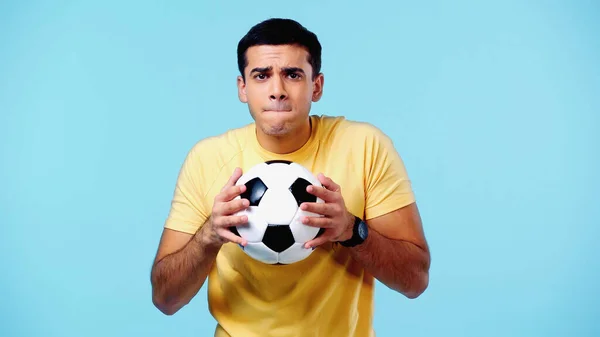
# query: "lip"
278,111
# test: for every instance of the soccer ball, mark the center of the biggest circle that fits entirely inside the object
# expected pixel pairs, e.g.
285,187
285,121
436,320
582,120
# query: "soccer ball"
274,232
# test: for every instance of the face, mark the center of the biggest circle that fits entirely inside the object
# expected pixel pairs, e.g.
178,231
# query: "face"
279,88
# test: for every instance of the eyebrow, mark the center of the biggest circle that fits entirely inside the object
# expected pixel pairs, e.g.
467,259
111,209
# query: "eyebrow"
287,70
261,70
293,70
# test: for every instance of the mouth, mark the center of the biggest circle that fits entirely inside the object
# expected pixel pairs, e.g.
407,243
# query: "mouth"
278,108
278,111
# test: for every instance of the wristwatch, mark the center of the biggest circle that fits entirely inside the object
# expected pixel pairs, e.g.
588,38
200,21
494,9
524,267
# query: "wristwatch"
360,232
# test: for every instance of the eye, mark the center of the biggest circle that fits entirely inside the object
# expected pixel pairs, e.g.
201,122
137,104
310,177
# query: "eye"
260,76
294,76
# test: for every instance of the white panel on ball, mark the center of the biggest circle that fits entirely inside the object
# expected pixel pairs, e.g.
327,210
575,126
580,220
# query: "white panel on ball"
254,232
260,252
277,175
254,171
278,205
295,253
298,171
302,232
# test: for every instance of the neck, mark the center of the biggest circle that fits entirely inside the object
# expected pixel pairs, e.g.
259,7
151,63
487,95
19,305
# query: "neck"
288,143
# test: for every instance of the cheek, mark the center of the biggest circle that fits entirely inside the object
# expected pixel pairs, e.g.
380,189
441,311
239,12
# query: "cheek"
253,97
301,95
250,93
305,97
308,93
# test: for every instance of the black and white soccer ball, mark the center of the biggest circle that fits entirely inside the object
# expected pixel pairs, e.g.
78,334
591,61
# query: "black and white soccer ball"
274,232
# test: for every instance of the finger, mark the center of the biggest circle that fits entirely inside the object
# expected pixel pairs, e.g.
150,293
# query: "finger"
321,222
233,206
318,241
231,220
321,192
318,208
328,183
228,235
237,173
230,193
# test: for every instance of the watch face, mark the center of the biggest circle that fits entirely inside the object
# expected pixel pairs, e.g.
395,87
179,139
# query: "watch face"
362,230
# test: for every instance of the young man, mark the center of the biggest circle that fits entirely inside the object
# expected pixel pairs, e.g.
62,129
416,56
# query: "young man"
372,224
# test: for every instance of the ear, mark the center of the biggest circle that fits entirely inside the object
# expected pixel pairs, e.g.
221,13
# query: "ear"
242,90
318,87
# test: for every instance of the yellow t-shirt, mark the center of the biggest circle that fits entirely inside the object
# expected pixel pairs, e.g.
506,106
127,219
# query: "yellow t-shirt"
328,294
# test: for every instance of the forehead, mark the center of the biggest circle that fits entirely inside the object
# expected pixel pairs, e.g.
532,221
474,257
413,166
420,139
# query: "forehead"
277,56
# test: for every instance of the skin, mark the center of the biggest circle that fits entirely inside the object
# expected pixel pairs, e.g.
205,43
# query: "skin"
395,251
279,88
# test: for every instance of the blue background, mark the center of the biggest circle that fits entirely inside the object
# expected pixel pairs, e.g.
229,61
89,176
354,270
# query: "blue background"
494,107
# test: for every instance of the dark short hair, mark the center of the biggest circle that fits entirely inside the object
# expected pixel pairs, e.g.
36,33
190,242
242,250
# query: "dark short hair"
277,31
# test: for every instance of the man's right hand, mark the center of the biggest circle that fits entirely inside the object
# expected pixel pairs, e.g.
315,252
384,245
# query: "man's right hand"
216,232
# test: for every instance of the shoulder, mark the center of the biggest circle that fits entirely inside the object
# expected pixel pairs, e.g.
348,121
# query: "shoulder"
224,144
342,129
208,155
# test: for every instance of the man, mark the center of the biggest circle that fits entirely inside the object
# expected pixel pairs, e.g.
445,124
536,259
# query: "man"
366,186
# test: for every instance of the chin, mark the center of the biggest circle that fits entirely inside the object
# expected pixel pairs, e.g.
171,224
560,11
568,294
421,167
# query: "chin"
276,130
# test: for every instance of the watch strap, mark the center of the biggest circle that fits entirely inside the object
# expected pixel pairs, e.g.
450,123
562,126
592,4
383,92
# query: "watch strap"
356,238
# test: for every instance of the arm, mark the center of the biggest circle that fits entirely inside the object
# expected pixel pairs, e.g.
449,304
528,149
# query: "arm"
183,261
396,252
181,266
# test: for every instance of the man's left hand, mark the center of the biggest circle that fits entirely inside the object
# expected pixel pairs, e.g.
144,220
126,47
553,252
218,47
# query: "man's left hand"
336,219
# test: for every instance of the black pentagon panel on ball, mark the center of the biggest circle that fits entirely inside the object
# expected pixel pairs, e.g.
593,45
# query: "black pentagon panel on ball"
278,238
278,161
298,190
234,230
255,189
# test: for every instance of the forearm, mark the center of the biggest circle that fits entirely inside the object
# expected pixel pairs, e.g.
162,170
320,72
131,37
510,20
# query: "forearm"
178,277
400,265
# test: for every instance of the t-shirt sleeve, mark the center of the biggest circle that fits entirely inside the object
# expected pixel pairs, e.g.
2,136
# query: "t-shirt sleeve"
388,186
188,208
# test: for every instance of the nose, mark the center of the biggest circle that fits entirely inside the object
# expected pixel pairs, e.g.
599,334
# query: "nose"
277,89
